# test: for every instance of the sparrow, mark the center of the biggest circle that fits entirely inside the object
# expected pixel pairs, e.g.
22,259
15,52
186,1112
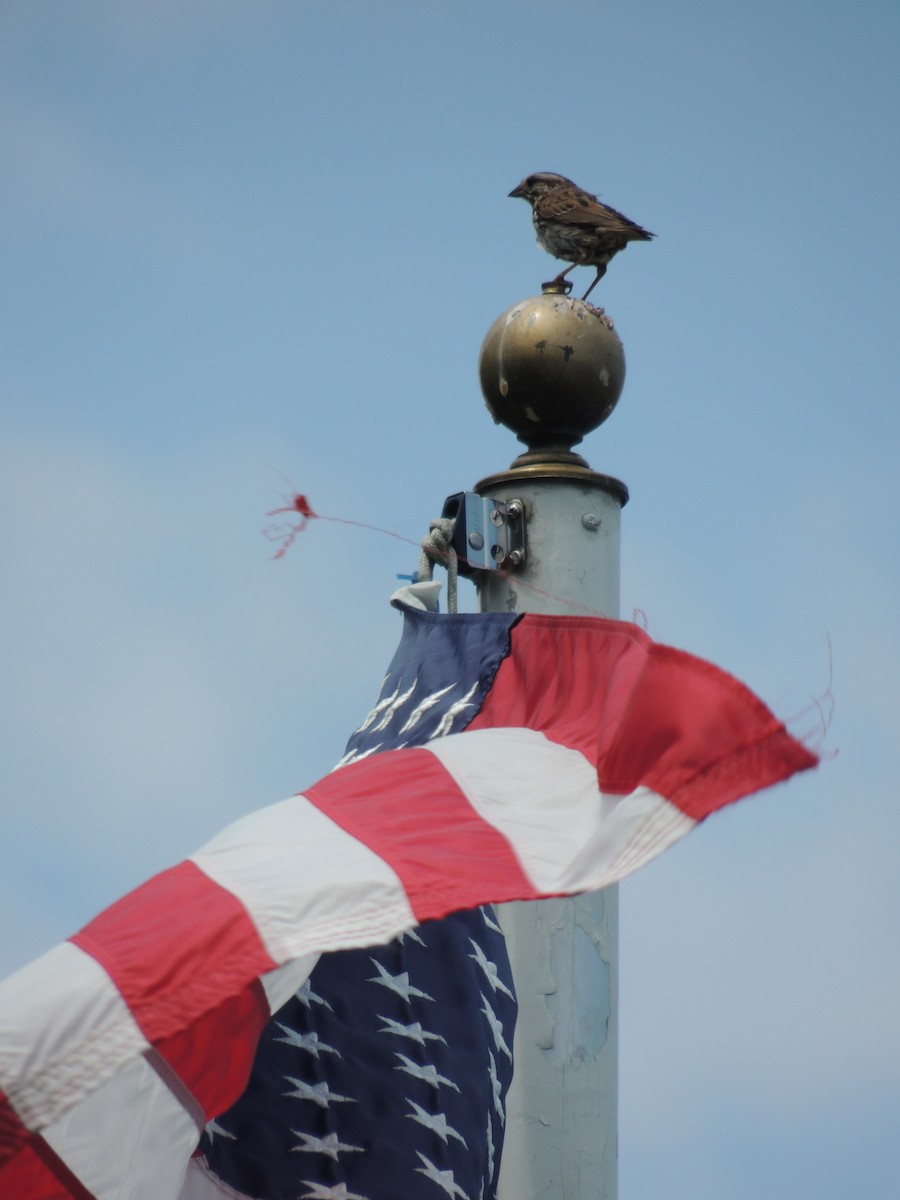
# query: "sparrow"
575,226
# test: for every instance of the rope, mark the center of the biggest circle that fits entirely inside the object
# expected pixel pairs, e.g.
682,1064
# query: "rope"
437,547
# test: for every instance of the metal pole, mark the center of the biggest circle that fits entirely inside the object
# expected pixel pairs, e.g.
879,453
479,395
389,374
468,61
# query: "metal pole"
561,1127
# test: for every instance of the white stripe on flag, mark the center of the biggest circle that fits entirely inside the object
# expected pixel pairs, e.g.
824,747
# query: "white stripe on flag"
306,884
143,1153
54,1053
543,797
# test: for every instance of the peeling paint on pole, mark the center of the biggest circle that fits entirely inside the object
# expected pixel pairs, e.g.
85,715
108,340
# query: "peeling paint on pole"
561,1130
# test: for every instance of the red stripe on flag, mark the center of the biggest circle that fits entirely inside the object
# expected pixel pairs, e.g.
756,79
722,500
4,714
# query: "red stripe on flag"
36,1171
12,1132
185,956
378,801
698,736
214,1057
642,712
569,678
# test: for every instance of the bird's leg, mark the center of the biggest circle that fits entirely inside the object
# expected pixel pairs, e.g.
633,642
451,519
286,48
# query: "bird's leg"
559,283
601,271
562,275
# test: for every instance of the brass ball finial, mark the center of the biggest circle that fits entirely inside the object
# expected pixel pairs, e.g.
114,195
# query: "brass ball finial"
551,370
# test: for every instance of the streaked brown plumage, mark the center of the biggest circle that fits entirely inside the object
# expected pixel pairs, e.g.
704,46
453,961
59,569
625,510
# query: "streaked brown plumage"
575,226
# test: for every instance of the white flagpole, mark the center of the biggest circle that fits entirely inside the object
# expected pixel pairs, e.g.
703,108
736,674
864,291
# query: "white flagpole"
552,370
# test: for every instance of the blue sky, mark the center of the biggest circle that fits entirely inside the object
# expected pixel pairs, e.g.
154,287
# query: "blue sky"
250,242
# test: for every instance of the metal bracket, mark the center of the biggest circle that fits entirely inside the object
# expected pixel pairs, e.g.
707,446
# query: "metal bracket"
489,534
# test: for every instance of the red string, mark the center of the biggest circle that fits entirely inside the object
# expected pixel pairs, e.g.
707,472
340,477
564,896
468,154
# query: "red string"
298,504
822,706
286,533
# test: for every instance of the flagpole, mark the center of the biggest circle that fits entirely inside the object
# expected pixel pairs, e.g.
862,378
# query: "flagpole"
552,370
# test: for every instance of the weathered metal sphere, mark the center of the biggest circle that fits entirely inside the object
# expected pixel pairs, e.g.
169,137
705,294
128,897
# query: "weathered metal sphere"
551,369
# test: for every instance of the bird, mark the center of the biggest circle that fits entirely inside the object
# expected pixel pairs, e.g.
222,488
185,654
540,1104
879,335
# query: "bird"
573,225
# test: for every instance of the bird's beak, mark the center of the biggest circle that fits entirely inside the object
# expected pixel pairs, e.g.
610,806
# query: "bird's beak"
516,193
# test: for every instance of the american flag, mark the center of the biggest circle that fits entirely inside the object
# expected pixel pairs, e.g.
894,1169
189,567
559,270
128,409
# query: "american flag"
386,1075
533,756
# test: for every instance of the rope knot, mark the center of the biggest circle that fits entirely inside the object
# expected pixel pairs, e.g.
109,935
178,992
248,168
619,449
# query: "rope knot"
437,547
